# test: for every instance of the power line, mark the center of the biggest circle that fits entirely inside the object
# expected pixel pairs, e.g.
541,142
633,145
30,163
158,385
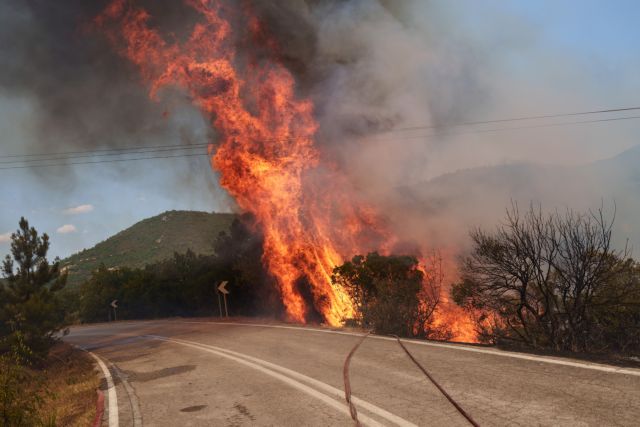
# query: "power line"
516,119
206,154
20,164
106,150
136,150
150,151
539,126
100,161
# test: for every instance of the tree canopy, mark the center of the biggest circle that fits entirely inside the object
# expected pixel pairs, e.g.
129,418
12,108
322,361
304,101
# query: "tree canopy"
185,285
391,294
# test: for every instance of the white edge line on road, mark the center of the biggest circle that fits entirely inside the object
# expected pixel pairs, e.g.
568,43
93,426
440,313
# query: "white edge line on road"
342,408
131,394
335,392
111,389
515,355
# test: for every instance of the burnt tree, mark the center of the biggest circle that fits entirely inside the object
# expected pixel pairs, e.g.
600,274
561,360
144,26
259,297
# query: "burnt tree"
543,279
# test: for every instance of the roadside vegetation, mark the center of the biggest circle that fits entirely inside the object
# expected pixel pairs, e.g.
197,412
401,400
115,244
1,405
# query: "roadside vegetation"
185,284
58,390
393,294
543,280
552,281
38,386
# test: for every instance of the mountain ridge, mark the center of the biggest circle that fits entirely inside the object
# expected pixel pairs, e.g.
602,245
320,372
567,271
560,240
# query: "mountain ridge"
475,197
150,240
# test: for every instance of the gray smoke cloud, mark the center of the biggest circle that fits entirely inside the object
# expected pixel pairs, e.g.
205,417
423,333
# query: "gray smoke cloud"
70,91
370,66
81,94
374,66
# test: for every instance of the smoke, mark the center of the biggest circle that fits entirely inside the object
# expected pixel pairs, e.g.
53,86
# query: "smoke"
81,93
374,68
370,66
357,59
63,89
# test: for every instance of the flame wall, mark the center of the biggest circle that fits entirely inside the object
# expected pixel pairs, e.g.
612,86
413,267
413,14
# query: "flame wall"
265,153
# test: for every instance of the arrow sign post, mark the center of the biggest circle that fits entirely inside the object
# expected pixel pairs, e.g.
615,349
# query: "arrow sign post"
114,305
223,290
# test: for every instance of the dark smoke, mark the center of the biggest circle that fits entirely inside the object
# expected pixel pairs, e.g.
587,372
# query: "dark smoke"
82,93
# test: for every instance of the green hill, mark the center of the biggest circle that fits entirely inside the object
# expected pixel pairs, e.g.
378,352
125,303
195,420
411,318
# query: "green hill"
153,239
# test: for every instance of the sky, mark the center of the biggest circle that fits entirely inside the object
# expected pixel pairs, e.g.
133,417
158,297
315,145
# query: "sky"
535,58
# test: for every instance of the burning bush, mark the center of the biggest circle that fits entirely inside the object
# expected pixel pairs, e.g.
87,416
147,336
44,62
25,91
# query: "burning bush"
391,294
552,280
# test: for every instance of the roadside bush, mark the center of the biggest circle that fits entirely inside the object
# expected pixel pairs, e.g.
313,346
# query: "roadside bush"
181,286
17,406
391,294
552,281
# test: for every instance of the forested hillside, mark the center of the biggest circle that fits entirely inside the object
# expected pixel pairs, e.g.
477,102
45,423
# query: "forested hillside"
151,240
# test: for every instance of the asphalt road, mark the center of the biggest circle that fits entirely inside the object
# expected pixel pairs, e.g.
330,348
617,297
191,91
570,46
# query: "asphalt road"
206,373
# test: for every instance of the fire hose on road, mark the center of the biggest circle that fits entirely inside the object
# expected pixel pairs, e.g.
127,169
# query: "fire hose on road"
347,382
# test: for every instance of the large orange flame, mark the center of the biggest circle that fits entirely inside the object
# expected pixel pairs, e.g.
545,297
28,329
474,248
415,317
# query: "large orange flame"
265,153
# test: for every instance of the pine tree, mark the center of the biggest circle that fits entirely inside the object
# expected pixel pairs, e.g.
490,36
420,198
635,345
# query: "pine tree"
29,305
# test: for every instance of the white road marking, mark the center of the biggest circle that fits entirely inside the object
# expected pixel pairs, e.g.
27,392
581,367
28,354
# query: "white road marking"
133,400
111,389
335,392
462,347
277,372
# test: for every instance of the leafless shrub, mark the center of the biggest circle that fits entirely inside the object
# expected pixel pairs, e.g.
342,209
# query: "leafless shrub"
552,280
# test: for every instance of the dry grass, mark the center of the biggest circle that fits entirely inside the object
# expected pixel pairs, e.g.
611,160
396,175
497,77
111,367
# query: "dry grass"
70,381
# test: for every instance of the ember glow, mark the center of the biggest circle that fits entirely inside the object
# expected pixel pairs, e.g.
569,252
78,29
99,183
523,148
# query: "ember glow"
266,152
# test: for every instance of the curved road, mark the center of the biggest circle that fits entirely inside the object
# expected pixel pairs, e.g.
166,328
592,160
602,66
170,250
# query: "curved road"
208,373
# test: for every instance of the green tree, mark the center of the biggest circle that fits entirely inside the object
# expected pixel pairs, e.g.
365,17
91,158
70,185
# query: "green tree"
185,285
391,294
29,305
97,293
239,257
